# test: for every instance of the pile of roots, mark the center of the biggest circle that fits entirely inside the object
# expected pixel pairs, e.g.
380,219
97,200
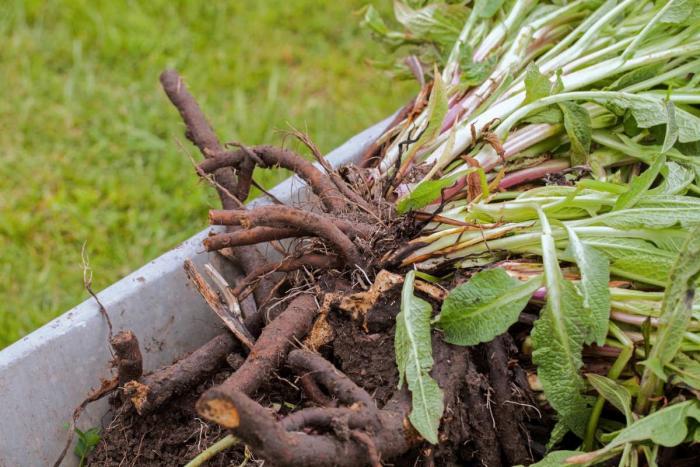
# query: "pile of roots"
305,373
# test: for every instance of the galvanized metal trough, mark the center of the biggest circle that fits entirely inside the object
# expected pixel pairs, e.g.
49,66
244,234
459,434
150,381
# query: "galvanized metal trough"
45,375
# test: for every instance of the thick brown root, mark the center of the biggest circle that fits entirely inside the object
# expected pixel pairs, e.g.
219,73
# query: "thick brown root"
357,435
249,237
201,134
324,262
153,390
508,417
347,392
353,230
269,352
271,156
269,439
286,217
127,356
199,131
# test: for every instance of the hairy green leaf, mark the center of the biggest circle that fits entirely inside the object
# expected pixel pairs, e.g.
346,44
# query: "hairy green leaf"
639,185
414,358
671,127
615,393
649,217
557,339
669,201
595,275
644,267
537,85
577,123
487,8
647,111
485,307
436,111
622,247
424,194
687,370
666,427
551,115
688,126
437,21
677,11
676,179
677,306
555,459
637,75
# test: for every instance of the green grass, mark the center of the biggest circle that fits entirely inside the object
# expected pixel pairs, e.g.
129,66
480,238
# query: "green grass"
89,144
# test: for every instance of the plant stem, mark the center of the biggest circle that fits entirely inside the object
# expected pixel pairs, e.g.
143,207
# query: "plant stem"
613,373
221,445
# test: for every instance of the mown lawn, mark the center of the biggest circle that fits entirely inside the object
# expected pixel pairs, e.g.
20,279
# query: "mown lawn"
89,144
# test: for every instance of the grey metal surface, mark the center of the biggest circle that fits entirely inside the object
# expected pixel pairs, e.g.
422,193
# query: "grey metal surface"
45,375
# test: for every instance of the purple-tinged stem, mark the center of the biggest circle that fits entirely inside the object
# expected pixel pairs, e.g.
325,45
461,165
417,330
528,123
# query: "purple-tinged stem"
533,173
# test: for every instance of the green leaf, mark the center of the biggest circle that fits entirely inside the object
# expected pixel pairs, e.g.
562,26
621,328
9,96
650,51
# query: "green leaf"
557,435
577,123
687,370
436,111
615,393
557,339
667,427
637,75
555,459
644,267
669,201
436,22
620,247
414,359
677,305
671,127
639,185
671,11
427,408
677,11
648,111
373,20
537,85
595,275
688,126
487,8
551,115
649,217
424,194
485,307
87,440
676,179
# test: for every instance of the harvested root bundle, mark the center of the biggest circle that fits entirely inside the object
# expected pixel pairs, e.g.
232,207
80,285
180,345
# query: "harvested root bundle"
512,268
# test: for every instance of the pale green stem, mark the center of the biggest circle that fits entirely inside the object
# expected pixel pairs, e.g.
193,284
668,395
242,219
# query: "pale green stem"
613,373
224,443
690,67
647,29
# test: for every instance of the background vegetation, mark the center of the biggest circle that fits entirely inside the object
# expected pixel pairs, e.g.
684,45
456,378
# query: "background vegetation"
89,144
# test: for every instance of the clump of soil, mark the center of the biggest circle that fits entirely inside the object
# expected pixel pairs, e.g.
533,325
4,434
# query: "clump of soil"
171,436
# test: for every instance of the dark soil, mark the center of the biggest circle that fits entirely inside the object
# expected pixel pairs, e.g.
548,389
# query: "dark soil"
368,357
171,436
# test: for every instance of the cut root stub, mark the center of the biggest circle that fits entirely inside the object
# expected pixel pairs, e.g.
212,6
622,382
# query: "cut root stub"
153,390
